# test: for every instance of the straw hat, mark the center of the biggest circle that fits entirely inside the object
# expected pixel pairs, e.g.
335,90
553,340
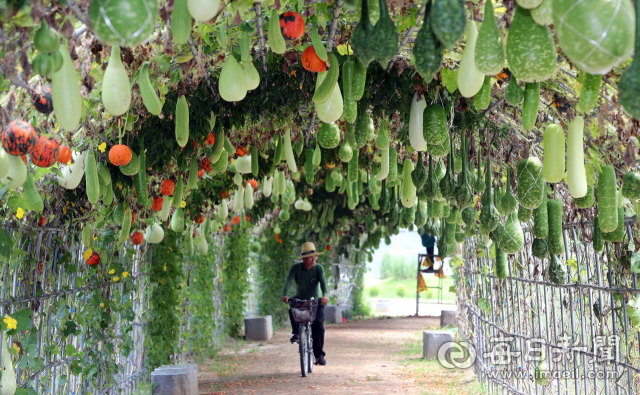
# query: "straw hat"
309,249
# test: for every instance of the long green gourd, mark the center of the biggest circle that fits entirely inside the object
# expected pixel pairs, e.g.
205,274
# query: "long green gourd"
180,22
539,248
91,178
276,39
508,202
590,92
556,241
182,122
255,168
193,173
147,92
116,89
554,144
384,165
350,103
140,178
576,173
408,188
393,164
353,167
65,92
434,125
288,151
489,53
530,105
598,243
126,225
541,220
470,79
607,201
502,270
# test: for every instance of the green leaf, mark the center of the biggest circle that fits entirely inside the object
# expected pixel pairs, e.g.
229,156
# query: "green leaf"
635,263
5,243
484,305
449,79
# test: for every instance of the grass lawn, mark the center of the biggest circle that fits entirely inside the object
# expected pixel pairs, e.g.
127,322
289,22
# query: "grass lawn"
388,288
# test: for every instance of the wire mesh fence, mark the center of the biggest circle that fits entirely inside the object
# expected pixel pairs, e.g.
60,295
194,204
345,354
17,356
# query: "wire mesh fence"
585,329
63,352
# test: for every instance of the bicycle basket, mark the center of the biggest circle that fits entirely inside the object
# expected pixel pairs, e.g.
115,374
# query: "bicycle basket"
304,310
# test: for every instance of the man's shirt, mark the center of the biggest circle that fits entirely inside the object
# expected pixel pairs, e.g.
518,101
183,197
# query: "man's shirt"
307,281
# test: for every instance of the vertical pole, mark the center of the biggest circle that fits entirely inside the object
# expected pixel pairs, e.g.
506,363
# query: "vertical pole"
417,288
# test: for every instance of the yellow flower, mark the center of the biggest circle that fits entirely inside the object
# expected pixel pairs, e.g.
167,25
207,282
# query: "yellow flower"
20,213
343,49
11,323
125,274
102,305
87,254
183,204
69,163
16,347
112,271
116,279
165,267
102,147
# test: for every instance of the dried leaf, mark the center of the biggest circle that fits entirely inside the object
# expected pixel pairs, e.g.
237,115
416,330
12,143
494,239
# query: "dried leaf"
237,20
629,156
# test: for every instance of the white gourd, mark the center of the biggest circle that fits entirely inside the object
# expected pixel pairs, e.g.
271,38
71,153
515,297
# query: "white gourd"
65,93
237,179
223,210
203,10
166,207
243,164
408,188
8,382
201,243
267,183
384,165
72,175
470,79
238,200
576,173
154,234
416,135
116,89
4,162
248,196
16,174
288,151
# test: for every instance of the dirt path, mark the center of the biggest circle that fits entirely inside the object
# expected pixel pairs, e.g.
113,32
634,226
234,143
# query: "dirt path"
363,357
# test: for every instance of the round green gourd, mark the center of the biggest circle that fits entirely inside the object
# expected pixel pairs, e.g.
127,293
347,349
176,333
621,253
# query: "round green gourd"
524,214
434,122
598,243
530,182
123,22
596,35
556,241
448,20
543,14
576,173
439,150
557,271
346,152
232,84
470,79
132,168
468,216
539,248
531,49
541,220
618,234
631,186
554,147
489,53
513,93
220,166
588,200
512,239
203,10
502,270
329,135
607,201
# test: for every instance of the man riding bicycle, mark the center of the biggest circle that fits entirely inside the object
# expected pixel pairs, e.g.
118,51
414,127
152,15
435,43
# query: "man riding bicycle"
307,277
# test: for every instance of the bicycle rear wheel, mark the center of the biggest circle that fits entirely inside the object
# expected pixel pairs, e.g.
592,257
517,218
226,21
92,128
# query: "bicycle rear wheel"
310,347
302,345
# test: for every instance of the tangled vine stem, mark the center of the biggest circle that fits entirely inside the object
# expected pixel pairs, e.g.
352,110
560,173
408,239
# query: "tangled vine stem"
334,25
76,10
195,53
407,36
259,26
312,123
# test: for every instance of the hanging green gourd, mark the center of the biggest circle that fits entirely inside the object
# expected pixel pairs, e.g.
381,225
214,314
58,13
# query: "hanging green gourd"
588,200
434,125
576,174
147,92
598,242
557,270
530,105
448,21
539,248
416,134
361,43
419,174
428,50
470,79
408,188
524,214
556,243
182,121
618,234
65,92
448,183
541,219
489,53
502,262
554,153
508,201
350,103
530,182
393,164
464,189
116,90
531,49
543,14
513,93
631,186
479,185
180,22
489,215
431,187
512,240
384,38
482,99
232,84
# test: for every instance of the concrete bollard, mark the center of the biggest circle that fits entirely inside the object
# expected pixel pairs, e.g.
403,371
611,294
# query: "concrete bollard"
383,305
192,370
431,342
170,382
333,314
447,317
258,328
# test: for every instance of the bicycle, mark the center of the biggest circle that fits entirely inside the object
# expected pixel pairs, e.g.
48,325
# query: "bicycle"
304,312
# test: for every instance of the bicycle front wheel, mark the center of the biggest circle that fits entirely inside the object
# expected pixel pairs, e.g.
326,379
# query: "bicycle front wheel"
310,356
302,345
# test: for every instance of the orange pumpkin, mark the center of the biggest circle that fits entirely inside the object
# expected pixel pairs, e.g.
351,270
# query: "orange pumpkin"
328,248
137,238
235,220
65,154
241,151
211,139
45,153
292,25
205,164
311,61
42,221
94,259
200,173
199,218
120,155
253,183
167,187
157,203
19,138
246,217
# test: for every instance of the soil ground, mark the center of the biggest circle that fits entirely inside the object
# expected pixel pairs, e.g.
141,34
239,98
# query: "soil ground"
377,356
